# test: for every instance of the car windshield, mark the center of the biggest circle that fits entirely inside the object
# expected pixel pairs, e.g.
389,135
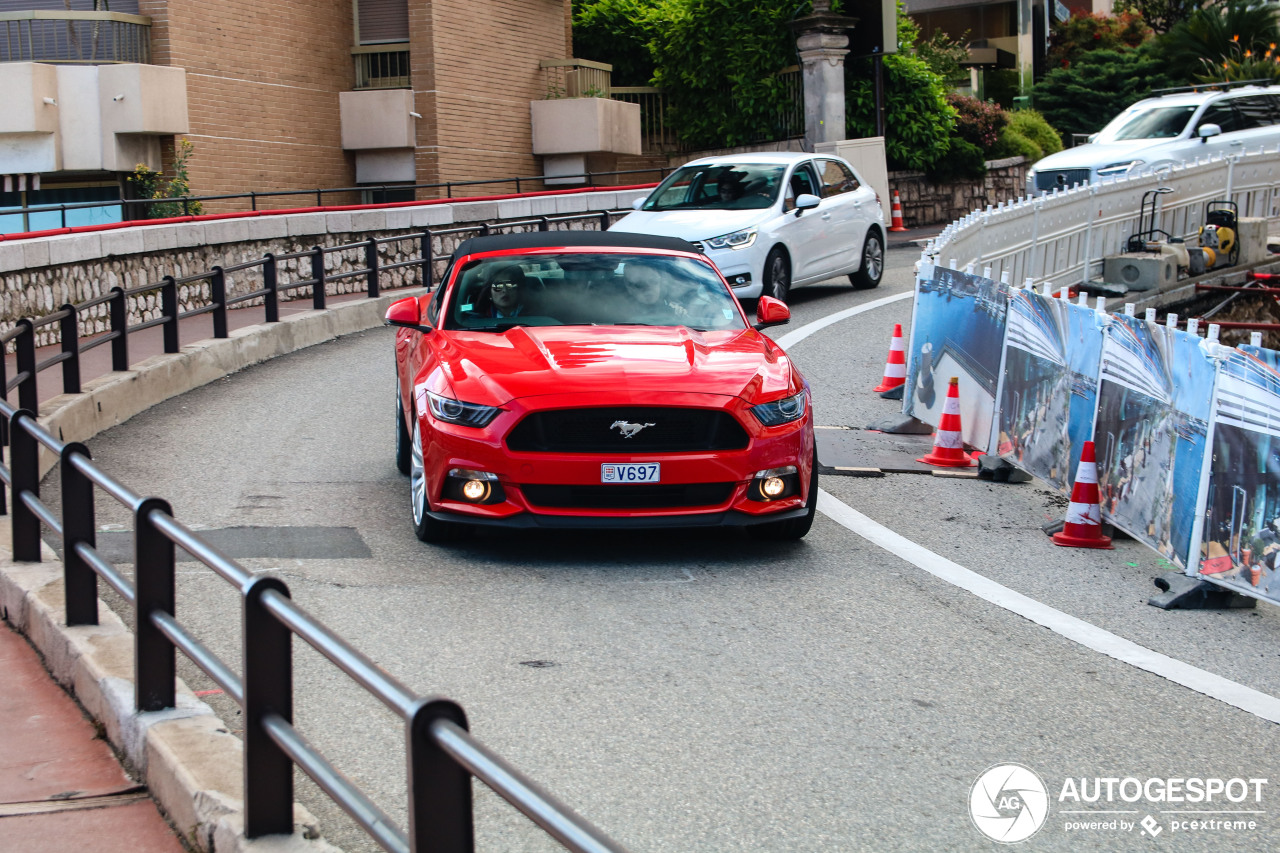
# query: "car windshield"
736,186
1149,123
590,289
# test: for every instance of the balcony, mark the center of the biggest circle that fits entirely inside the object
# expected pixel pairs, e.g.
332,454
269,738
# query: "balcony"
381,66
74,38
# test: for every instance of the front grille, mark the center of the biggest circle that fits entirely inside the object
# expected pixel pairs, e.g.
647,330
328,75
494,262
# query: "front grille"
1069,178
592,431
658,496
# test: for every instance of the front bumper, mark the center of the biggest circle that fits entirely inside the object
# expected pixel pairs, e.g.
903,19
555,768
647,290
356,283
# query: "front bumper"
448,447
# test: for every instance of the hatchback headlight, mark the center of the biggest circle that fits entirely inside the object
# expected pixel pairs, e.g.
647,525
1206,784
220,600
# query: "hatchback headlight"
454,411
737,240
780,412
1118,168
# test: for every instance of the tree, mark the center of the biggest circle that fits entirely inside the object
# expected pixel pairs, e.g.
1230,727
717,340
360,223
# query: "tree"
618,32
1160,15
1106,81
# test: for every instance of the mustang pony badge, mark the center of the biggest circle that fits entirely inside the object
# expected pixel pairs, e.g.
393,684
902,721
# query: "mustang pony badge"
628,430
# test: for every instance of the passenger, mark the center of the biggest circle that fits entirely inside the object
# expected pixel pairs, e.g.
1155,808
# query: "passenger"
648,298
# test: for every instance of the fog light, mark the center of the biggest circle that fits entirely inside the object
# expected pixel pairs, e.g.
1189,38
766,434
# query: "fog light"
774,484
475,490
473,487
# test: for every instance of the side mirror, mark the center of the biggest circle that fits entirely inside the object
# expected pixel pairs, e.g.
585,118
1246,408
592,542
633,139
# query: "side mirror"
639,203
772,312
406,314
1204,131
805,201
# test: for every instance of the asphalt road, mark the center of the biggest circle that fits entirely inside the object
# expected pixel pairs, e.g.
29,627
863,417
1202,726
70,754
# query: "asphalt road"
698,691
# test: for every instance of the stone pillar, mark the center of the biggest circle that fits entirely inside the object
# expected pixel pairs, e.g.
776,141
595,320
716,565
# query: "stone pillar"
823,41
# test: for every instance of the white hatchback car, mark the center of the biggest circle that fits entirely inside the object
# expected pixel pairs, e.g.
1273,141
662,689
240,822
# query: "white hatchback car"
770,221
1162,131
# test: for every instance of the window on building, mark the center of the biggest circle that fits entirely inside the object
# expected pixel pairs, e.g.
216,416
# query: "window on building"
34,210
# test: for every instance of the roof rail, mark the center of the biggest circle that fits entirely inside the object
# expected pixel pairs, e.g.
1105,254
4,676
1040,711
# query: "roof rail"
1209,87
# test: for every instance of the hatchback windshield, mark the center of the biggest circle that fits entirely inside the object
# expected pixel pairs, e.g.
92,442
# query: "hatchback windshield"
590,289
736,186
1151,123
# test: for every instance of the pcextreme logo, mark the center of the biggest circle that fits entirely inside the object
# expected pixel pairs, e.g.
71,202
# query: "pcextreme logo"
1009,803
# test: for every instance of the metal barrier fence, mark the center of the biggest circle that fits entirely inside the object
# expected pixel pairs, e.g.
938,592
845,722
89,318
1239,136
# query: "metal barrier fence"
442,755
141,209
22,336
74,37
1061,238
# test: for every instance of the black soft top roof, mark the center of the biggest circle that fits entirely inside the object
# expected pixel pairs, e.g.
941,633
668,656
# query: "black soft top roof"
546,239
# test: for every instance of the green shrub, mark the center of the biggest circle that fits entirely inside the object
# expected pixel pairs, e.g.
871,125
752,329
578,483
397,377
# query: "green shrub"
1032,126
918,120
1014,144
964,161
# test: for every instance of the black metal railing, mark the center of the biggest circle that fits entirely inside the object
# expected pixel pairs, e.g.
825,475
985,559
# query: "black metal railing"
442,754
140,209
22,337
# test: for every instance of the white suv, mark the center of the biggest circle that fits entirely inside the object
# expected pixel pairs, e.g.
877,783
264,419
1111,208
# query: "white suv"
770,221
1162,131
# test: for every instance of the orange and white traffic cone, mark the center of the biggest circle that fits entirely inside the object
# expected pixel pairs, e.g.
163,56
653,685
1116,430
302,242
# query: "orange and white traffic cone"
896,223
895,366
1083,525
948,446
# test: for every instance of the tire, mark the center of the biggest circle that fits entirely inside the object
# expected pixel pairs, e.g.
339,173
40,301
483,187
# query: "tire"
427,528
404,449
872,269
791,529
777,275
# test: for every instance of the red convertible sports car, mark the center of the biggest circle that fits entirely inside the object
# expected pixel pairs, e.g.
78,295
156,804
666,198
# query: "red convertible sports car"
587,380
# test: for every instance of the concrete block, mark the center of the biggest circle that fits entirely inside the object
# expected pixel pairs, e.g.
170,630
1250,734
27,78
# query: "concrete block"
220,231
476,211
157,238
571,203
188,234
125,241
431,215
543,205
363,222
74,248
337,223
399,218
267,227
12,257
515,209
306,224
35,253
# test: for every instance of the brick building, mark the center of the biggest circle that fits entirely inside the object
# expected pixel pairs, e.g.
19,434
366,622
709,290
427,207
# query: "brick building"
273,95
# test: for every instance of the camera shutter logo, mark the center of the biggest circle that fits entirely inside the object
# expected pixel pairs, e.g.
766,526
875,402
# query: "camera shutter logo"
1009,803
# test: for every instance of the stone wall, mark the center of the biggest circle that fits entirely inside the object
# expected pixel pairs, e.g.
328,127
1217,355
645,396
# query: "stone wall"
40,275
927,203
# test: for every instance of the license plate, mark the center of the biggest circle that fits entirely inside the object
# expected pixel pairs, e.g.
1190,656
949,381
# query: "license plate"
648,472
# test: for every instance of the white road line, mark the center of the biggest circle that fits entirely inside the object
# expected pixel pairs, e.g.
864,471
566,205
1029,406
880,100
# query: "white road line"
1090,636
1077,630
794,337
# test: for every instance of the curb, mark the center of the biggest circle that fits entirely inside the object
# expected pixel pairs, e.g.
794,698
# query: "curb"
191,764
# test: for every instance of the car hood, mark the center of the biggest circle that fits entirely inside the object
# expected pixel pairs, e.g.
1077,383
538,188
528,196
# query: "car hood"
528,361
690,224
1096,155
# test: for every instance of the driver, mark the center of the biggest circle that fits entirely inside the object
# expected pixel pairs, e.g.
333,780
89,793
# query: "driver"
506,292
729,186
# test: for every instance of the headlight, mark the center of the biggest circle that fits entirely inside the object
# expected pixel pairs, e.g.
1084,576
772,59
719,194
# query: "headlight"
737,240
780,412
457,412
1118,168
